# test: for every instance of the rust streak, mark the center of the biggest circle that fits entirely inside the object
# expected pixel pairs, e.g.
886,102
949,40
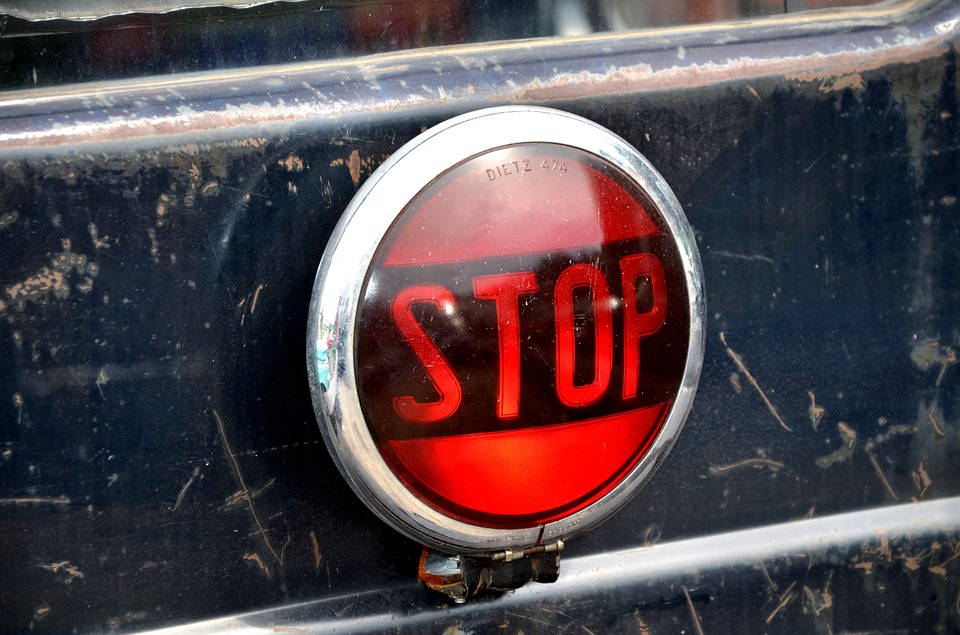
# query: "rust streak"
816,412
317,557
256,294
883,478
246,490
693,612
753,382
241,495
755,462
785,599
949,358
257,560
937,430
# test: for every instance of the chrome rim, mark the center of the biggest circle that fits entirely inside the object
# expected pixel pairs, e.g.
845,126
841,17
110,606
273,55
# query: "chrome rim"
338,289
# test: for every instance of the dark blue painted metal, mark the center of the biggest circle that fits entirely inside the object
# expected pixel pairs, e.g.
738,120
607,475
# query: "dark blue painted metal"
160,459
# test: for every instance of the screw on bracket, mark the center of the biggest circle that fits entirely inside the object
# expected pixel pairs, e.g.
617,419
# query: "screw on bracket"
462,577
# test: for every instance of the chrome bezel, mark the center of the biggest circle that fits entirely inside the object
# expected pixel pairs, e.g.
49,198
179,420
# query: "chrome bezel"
337,294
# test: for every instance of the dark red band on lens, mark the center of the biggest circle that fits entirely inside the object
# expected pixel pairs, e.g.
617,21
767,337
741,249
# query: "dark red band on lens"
528,475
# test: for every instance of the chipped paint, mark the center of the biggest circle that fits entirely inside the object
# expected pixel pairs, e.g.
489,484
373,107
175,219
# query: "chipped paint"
722,60
821,68
292,163
66,571
353,163
356,165
816,412
848,438
921,479
854,81
54,279
99,242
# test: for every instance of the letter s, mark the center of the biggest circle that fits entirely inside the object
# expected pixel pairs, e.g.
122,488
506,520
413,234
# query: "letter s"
434,363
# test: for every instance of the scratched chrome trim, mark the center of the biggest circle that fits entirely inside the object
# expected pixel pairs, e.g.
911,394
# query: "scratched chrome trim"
222,106
623,579
337,295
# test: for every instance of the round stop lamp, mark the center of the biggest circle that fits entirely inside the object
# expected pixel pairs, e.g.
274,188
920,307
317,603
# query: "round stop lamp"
506,330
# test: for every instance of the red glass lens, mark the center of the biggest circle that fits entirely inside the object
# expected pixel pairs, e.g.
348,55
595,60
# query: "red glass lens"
522,335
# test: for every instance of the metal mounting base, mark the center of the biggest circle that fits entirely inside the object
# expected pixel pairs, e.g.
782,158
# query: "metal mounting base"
462,577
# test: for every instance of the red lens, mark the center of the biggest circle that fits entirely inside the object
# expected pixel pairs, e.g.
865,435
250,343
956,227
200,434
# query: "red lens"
522,334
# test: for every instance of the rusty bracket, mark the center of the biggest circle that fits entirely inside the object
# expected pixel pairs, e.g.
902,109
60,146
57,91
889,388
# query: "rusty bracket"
462,577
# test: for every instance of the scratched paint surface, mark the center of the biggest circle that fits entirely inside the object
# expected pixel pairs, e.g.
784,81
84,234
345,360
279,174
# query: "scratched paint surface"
159,458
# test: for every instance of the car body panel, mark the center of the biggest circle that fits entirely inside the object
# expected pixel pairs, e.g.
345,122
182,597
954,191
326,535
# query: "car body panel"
161,460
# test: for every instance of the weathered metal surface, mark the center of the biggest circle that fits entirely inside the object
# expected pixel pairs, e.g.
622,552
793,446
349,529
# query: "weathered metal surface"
59,9
160,462
462,577
888,570
827,53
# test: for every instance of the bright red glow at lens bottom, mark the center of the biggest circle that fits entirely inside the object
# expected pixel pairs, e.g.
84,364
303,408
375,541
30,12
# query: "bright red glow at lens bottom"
523,477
